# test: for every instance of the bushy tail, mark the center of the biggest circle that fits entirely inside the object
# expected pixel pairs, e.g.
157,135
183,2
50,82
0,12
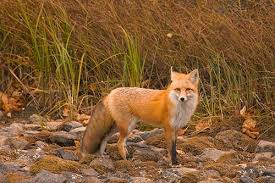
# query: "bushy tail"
99,125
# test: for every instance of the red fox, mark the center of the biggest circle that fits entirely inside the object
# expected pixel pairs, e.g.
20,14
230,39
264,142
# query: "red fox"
171,109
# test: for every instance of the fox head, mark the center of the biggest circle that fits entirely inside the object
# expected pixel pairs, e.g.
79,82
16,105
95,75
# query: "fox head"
184,87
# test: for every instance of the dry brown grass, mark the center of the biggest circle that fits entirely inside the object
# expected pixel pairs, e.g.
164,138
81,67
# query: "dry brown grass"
232,43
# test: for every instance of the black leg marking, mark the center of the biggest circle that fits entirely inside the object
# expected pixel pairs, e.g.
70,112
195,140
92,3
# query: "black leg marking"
174,153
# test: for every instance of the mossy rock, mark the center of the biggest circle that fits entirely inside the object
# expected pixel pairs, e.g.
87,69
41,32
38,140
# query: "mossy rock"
224,169
55,165
232,139
123,165
16,177
192,177
236,158
112,151
196,145
157,141
150,167
102,165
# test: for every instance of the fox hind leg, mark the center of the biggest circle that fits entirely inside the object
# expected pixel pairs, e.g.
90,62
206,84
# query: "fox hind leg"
122,144
124,130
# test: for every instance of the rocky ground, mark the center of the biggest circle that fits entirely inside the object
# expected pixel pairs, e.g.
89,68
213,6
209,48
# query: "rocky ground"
36,150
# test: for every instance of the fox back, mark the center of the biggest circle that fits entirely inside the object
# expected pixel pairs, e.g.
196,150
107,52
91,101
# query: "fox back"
175,105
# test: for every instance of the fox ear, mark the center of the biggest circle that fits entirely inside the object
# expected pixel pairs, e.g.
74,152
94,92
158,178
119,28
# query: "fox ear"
173,74
194,76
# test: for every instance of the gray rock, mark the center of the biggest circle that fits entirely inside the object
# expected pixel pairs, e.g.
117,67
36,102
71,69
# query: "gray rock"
134,138
70,126
265,146
146,154
267,171
262,155
73,177
266,179
145,135
6,149
29,156
53,125
232,139
3,140
46,177
92,180
246,179
249,173
141,180
41,144
31,132
213,154
10,167
163,181
89,172
181,171
210,181
117,180
102,164
37,119
63,138
32,126
78,130
14,129
172,176
210,174
18,143
68,155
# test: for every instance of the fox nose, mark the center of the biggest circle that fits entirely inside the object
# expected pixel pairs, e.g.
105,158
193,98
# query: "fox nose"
183,98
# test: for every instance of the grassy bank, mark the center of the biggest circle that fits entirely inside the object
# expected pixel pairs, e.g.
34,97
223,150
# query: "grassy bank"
70,53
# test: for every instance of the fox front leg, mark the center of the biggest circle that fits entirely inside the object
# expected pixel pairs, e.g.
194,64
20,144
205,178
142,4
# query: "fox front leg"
171,140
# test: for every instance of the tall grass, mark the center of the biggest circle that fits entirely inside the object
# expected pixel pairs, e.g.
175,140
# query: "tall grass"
79,51
132,62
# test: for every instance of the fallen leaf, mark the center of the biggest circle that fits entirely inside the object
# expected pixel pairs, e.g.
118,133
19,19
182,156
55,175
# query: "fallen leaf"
66,111
170,35
10,104
83,118
243,111
182,131
249,125
202,125
5,102
93,86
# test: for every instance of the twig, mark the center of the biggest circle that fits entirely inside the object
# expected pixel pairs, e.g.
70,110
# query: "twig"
24,87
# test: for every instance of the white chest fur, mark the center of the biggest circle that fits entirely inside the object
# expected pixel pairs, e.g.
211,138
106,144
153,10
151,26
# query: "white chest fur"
182,113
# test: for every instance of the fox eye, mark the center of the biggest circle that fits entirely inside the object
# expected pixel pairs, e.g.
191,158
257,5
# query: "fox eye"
189,89
177,89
